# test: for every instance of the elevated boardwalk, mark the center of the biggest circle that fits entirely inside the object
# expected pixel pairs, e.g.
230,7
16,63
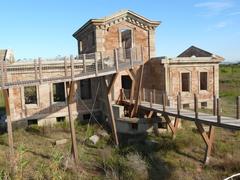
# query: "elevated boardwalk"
69,69
204,118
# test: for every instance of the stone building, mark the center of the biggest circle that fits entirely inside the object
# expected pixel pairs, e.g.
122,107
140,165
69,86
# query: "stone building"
194,71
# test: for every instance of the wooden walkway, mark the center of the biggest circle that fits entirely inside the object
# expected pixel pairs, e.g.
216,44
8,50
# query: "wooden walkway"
226,122
85,66
204,118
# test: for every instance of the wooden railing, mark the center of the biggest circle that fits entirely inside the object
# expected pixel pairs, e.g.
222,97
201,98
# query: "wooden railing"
154,96
68,69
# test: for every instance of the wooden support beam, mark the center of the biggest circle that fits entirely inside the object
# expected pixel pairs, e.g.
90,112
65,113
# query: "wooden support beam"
173,126
72,68
9,129
70,101
150,114
109,104
214,105
143,94
238,108
151,99
65,66
208,139
136,105
178,103
196,106
218,110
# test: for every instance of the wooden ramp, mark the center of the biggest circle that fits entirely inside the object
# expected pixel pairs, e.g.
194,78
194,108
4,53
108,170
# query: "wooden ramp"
204,118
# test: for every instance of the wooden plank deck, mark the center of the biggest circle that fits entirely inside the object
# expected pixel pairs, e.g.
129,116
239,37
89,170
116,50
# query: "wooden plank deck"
204,118
87,66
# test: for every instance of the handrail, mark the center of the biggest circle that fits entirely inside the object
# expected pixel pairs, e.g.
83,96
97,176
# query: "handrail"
60,70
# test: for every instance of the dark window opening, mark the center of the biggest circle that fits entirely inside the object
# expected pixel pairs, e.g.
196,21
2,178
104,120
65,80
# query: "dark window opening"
61,119
203,105
134,126
126,82
186,82
32,122
85,86
186,106
30,95
86,116
203,80
126,38
58,92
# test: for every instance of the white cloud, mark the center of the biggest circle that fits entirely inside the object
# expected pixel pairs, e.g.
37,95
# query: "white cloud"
214,7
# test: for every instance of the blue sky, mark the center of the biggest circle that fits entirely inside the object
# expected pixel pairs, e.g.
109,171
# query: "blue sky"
44,28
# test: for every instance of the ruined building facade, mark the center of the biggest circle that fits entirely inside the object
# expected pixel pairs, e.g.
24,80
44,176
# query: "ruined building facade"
193,72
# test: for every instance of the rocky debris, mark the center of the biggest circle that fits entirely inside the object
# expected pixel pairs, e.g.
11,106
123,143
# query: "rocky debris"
60,142
94,139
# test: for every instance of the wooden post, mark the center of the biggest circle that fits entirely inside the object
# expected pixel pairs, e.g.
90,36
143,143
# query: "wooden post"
173,127
96,64
84,63
116,59
9,129
72,68
111,115
71,121
139,86
164,101
35,69
208,139
65,66
218,110
151,99
196,106
238,108
178,104
40,69
214,105
102,62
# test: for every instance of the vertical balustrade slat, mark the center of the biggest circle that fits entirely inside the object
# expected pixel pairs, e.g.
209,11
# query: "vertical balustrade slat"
40,69
102,63
35,69
238,107
131,58
214,105
178,103
218,110
196,106
164,101
96,63
65,67
72,67
84,63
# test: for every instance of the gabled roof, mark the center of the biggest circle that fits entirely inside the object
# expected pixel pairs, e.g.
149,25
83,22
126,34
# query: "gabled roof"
197,52
126,15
